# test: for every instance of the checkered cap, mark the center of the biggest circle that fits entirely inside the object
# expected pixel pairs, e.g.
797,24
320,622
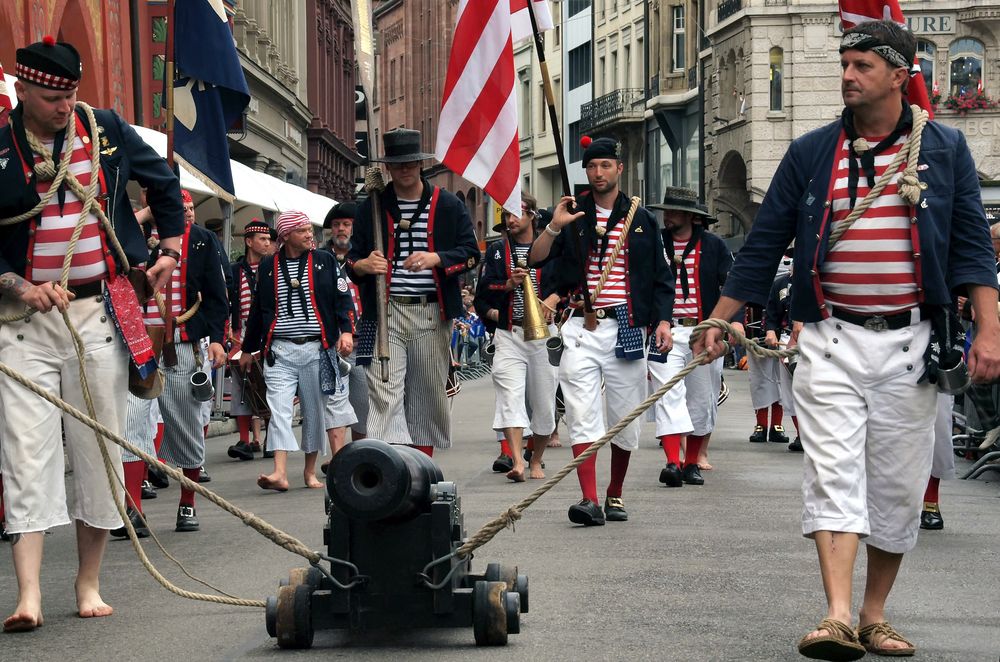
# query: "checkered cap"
49,64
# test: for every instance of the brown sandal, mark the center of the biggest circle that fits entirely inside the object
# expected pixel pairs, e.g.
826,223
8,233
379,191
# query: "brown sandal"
841,645
881,632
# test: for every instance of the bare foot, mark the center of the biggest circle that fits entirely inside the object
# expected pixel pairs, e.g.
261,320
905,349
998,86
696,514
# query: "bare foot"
272,482
535,471
705,466
313,482
554,443
23,621
89,603
516,474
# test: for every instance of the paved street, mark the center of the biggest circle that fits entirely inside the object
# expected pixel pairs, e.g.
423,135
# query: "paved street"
719,572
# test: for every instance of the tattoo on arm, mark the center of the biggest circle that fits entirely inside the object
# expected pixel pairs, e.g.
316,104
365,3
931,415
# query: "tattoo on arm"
11,283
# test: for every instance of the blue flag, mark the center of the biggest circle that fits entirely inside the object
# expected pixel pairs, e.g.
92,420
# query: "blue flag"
210,91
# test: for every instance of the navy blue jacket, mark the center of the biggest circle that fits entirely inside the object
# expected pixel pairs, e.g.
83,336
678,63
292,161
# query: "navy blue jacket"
491,290
449,234
952,248
713,267
650,292
776,315
329,297
124,156
236,269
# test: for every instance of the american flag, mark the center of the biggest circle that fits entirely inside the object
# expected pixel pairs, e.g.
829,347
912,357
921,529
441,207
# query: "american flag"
853,12
477,134
5,104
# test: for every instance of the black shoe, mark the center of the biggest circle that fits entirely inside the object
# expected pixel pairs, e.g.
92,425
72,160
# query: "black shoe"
148,491
240,451
186,519
777,435
930,518
796,445
759,435
267,455
587,513
503,464
4,536
614,510
324,467
158,479
254,446
203,476
670,476
138,523
692,475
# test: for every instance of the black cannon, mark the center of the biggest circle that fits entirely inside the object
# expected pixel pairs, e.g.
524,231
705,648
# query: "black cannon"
394,527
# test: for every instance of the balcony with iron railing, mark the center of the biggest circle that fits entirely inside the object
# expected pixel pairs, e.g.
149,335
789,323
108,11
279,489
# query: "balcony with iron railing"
620,106
727,8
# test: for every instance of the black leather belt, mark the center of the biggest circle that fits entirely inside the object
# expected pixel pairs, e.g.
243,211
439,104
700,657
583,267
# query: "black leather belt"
94,289
302,340
610,313
686,321
519,322
875,322
408,300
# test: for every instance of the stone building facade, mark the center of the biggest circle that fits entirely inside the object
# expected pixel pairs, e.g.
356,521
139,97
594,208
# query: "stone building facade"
772,74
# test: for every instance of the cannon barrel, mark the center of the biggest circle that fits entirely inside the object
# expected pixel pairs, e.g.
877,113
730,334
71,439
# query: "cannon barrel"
371,480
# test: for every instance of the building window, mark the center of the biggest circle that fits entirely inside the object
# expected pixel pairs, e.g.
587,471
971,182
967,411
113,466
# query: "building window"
777,64
392,81
925,58
543,108
965,57
577,6
678,40
575,149
525,78
580,66
614,71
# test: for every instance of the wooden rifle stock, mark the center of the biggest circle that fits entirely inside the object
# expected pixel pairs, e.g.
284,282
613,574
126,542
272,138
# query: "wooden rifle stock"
375,186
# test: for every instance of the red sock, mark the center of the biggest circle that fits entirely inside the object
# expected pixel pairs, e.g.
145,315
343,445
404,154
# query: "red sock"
187,496
204,432
158,439
529,443
426,450
243,423
619,467
693,449
931,495
795,422
762,417
777,412
587,472
672,448
133,484
505,448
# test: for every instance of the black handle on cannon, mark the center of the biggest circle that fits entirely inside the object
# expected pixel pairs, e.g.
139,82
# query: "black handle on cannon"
371,480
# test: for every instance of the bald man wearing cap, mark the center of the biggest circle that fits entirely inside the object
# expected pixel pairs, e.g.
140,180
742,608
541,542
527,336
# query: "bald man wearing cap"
301,319
31,260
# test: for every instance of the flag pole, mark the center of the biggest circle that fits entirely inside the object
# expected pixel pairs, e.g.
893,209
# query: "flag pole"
588,305
168,83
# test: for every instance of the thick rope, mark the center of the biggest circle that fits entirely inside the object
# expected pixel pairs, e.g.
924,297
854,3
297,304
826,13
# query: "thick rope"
507,518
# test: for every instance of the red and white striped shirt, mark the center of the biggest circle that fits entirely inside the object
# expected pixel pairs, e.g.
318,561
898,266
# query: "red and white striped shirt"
613,293
871,269
54,229
246,295
151,313
686,307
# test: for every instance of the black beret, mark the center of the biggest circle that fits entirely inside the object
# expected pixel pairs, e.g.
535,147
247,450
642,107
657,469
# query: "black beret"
602,148
49,64
341,210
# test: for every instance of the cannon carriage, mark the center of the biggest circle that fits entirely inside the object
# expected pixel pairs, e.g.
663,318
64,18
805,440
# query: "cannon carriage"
394,526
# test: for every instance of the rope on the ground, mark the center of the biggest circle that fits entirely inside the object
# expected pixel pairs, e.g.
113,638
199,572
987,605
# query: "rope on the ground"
509,517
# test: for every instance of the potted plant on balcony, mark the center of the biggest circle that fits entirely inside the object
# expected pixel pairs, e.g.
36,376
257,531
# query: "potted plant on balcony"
969,101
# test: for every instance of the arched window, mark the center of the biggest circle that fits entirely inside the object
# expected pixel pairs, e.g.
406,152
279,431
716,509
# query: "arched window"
777,57
925,57
965,59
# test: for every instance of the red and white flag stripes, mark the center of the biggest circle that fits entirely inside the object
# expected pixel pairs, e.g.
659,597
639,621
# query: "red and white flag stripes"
477,134
5,99
853,12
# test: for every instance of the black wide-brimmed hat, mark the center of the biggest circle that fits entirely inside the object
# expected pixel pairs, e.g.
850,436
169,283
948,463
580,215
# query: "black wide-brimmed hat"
682,199
49,64
402,146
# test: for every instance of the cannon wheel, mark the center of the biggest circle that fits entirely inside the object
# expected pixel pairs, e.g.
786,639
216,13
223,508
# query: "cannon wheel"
309,576
521,587
293,624
489,613
496,572
271,616
512,605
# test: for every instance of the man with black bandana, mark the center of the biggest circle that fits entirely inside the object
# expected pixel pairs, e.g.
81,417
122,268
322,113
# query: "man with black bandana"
427,243
870,300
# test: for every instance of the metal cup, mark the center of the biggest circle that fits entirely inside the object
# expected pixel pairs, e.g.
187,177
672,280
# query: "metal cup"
954,380
554,346
490,349
201,386
344,366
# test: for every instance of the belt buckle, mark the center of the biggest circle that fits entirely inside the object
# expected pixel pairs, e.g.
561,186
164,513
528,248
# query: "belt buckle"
876,323
689,321
601,313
